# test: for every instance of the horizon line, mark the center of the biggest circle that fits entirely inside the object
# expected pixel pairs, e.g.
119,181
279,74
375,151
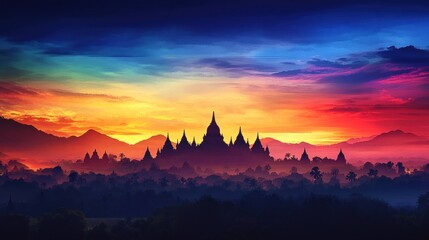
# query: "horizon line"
269,135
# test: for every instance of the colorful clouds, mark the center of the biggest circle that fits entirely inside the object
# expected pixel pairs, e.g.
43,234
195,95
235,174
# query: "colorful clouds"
298,71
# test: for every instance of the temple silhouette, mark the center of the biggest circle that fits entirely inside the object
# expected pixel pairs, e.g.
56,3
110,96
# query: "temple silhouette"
213,151
95,159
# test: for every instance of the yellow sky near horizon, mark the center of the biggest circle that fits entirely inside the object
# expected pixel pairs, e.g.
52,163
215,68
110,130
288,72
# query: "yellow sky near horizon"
290,111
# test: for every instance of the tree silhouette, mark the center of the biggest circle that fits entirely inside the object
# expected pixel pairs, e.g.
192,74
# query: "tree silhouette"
66,224
423,201
373,173
73,177
351,176
267,167
163,182
317,159
251,182
14,227
335,172
100,232
317,175
401,168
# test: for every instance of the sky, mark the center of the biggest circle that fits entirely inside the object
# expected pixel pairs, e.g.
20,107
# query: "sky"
293,70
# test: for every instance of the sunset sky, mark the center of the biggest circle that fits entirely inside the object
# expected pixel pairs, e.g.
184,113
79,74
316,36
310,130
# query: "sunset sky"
308,71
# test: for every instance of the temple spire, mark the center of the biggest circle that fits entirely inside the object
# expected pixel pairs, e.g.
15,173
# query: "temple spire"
213,118
341,158
194,144
239,140
168,146
87,158
105,157
257,146
183,144
267,150
304,157
213,139
95,156
147,156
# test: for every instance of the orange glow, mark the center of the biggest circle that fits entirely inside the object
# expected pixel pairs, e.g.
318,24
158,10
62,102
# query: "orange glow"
288,110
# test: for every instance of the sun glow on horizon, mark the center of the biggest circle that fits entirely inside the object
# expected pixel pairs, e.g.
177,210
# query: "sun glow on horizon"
132,112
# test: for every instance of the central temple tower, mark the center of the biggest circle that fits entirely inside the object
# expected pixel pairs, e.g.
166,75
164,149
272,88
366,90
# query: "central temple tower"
213,139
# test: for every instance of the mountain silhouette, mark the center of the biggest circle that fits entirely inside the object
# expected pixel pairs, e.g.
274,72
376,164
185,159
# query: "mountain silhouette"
91,137
391,145
153,143
18,136
360,139
397,137
27,142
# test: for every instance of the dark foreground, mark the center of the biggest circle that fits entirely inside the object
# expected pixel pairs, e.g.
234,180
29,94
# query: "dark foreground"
256,215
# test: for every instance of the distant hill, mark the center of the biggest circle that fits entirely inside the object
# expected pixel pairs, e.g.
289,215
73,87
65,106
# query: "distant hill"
390,145
154,143
394,138
18,136
25,141
361,139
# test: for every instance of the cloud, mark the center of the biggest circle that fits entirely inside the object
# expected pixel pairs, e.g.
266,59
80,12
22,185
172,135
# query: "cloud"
8,57
106,97
46,122
340,63
18,65
63,51
9,54
364,75
31,62
7,88
360,68
13,94
382,102
235,66
318,66
421,103
127,46
153,31
405,55
293,21
296,72
345,109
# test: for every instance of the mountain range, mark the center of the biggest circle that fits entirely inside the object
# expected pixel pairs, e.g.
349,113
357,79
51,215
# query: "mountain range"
36,147
394,145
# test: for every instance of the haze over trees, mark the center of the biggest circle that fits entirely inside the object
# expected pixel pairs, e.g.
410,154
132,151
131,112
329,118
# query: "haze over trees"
256,215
